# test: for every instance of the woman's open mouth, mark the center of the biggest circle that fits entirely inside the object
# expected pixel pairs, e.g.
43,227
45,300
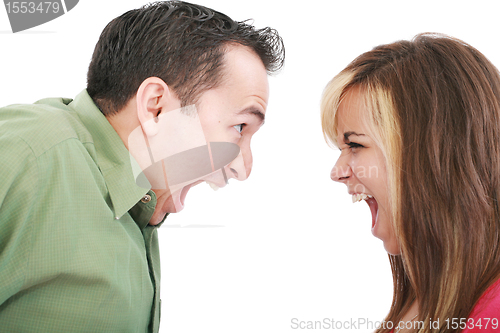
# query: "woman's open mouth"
372,203
374,210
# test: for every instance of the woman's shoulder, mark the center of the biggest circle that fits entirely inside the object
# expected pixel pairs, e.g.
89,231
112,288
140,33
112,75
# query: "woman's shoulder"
485,316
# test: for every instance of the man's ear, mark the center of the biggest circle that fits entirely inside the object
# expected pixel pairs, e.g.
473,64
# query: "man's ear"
154,97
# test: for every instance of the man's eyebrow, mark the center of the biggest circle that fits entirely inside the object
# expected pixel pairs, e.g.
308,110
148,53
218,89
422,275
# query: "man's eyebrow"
348,134
254,111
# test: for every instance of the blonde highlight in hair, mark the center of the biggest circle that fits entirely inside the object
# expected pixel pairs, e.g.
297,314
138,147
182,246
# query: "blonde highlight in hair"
433,105
332,97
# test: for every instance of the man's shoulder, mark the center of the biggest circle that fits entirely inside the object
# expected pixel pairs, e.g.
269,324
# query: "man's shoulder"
42,125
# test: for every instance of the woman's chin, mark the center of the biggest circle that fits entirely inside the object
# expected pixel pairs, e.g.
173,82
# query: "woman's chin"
391,248
379,230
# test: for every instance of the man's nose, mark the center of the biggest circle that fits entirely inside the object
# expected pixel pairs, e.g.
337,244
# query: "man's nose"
241,166
341,171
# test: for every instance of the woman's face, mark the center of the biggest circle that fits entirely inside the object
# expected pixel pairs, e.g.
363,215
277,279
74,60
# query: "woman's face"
361,167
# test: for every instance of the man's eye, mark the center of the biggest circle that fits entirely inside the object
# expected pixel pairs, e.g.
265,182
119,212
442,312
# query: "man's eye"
239,127
354,145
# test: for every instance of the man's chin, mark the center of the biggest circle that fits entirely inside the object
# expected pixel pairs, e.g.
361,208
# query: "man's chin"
164,205
175,202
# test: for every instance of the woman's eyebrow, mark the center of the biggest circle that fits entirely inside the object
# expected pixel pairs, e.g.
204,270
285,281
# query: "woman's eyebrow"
348,134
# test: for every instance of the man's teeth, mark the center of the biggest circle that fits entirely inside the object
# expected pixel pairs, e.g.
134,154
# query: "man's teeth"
213,186
360,196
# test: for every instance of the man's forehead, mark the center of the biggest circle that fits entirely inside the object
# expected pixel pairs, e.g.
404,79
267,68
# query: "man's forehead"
245,68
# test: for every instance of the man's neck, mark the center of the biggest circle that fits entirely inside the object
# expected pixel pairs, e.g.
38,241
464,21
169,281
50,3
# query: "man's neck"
125,121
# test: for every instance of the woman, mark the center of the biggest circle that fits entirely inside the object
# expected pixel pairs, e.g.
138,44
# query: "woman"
418,126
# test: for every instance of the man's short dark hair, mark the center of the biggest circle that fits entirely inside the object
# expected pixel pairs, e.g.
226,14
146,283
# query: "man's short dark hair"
181,43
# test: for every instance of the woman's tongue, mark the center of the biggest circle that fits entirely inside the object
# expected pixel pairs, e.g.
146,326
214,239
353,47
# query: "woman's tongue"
372,203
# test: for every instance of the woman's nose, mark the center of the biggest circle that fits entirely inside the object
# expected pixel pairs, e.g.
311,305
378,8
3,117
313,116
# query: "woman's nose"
341,171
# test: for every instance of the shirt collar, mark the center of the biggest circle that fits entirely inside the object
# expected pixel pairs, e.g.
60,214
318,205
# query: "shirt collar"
113,158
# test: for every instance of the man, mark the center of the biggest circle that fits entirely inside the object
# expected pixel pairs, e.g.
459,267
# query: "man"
78,226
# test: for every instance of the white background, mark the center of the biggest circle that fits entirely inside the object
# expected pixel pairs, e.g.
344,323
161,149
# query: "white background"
288,242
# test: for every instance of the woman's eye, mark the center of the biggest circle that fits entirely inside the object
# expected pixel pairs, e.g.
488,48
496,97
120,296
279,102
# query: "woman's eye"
239,127
354,145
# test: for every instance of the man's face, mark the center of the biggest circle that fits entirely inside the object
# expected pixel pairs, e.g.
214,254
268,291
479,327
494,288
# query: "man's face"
232,113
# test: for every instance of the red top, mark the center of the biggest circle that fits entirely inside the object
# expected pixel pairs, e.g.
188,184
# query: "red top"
485,317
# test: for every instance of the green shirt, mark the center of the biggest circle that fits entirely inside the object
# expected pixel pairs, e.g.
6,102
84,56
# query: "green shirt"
76,251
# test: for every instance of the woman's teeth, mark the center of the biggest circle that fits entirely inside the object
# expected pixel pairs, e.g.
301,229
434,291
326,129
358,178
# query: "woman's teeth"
360,196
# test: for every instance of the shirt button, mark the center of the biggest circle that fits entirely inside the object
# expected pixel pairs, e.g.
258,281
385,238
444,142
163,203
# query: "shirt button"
146,198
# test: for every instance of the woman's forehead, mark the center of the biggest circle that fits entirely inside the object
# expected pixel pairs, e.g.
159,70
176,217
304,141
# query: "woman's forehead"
352,112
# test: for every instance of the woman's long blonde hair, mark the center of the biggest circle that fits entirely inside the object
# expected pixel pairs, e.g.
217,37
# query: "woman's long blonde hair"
434,104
